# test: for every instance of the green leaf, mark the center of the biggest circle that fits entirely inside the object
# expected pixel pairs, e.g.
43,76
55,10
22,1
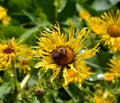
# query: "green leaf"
30,16
68,11
60,4
76,93
4,90
100,61
114,2
102,5
18,5
47,8
31,31
10,31
35,100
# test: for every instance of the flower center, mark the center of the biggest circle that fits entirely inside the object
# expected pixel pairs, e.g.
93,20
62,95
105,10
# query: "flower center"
8,50
24,62
62,55
114,30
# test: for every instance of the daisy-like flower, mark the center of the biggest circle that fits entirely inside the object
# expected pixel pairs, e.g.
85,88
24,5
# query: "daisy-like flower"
84,14
115,66
109,76
3,16
64,53
11,51
108,27
107,97
95,25
23,66
3,12
6,20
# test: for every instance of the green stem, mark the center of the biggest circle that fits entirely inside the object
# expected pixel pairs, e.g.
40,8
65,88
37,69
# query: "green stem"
15,75
15,81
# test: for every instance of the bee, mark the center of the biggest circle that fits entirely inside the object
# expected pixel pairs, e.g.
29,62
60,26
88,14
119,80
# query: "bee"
58,53
62,55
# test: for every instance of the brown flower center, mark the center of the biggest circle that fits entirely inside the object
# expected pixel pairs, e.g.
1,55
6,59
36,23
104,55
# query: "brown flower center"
114,30
24,62
62,55
8,50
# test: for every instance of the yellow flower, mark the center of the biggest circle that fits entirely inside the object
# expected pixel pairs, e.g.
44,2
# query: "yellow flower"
3,12
94,24
115,66
108,27
70,75
107,97
6,20
11,51
84,14
63,52
23,66
108,77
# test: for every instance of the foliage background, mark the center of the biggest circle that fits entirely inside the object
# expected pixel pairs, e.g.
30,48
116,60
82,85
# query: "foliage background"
28,18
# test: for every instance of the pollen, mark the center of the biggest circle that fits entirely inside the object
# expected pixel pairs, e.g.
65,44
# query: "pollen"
8,50
63,55
114,30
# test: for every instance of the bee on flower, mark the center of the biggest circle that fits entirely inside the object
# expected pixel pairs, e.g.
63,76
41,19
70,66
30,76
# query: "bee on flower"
61,52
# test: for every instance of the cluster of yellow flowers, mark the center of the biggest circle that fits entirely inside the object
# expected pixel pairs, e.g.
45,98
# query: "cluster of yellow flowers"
11,52
4,18
66,53
107,27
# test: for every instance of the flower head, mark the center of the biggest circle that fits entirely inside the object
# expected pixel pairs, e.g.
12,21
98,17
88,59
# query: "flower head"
108,76
3,16
115,66
107,97
23,66
62,52
84,14
108,27
3,12
6,20
11,51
